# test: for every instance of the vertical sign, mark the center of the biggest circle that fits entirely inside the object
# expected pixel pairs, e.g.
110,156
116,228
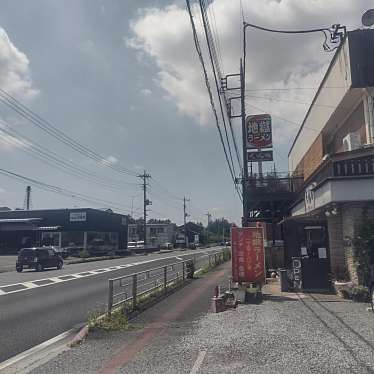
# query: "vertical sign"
258,131
248,258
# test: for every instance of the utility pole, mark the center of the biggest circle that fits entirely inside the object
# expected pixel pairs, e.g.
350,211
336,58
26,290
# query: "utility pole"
185,215
244,132
146,202
207,228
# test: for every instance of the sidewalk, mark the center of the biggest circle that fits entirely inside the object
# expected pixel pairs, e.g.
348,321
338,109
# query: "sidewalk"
286,333
150,336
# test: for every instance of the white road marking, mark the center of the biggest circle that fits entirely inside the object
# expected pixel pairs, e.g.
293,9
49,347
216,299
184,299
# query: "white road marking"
56,280
31,284
198,362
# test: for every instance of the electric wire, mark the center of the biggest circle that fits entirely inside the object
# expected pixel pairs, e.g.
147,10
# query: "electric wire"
216,72
53,131
63,191
51,158
202,62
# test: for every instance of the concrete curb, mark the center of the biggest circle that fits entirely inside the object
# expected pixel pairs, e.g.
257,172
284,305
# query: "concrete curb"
82,334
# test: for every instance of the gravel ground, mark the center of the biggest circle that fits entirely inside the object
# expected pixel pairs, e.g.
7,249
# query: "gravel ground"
284,334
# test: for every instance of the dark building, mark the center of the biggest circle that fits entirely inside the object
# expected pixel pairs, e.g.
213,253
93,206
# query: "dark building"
82,228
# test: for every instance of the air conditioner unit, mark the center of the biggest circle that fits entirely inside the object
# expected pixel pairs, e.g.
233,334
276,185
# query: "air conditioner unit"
352,141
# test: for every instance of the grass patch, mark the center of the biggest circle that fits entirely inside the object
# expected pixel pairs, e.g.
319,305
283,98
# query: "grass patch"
115,322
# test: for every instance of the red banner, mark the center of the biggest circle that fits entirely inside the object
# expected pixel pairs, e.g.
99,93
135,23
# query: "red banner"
248,258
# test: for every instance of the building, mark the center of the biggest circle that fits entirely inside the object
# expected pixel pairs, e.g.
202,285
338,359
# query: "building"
334,152
158,234
76,228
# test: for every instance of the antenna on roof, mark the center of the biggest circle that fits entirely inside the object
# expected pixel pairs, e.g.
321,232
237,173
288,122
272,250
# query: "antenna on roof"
368,18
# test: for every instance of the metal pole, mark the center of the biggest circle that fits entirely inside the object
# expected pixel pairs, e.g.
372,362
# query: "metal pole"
207,228
245,161
110,298
134,290
146,202
185,215
145,209
165,277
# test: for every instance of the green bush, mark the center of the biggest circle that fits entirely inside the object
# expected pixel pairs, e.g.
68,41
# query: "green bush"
363,248
360,294
84,253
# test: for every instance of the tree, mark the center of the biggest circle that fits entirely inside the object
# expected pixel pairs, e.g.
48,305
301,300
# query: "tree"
363,248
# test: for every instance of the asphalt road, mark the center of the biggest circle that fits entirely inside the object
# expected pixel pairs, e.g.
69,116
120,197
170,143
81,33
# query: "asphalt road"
34,315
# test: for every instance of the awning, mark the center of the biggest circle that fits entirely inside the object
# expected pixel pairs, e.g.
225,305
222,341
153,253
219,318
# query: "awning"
316,216
48,228
19,220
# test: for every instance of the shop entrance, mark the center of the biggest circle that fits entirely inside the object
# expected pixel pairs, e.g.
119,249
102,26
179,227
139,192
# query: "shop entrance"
314,253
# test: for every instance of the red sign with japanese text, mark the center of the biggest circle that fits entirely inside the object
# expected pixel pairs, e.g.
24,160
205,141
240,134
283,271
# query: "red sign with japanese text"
248,259
258,131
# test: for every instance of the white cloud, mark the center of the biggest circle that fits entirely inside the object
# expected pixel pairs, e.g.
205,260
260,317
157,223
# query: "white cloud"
15,76
146,91
110,160
164,36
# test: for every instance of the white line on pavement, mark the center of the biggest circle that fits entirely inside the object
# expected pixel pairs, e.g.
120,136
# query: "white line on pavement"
31,284
198,362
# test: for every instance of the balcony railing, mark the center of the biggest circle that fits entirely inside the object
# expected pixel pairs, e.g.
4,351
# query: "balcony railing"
275,182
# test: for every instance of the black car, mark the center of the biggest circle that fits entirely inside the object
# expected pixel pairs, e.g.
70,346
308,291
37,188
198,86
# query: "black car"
38,258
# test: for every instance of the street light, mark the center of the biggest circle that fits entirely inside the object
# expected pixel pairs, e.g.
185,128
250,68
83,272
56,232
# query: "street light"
368,18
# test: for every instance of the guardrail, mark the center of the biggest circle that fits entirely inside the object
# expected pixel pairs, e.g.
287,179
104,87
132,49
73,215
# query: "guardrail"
130,288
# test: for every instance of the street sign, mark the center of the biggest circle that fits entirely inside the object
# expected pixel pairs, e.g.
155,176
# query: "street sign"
258,131
248,256
260,156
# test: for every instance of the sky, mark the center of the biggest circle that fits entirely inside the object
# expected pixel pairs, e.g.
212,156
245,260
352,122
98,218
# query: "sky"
123,78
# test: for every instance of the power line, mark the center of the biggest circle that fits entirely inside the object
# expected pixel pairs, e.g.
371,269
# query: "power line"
283,119
292,88
216,71
62,191
53,131
201,58
53,159
289,101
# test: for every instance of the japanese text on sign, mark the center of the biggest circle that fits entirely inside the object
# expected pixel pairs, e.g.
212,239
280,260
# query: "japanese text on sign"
247,254
258,131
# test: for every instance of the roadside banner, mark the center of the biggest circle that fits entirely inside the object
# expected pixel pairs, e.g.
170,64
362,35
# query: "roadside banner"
248,258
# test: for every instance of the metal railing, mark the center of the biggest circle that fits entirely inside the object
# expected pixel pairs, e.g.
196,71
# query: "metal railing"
129,289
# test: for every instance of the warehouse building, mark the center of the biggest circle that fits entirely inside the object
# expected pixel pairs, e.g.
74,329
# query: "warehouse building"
83,228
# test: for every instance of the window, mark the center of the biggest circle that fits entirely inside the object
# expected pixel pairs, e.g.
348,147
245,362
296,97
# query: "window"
51,252
160,230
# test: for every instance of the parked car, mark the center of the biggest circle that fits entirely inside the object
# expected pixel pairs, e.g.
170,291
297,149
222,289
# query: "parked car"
38,258
62,251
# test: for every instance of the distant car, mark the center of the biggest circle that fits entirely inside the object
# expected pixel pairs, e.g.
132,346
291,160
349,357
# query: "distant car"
167,246
38,258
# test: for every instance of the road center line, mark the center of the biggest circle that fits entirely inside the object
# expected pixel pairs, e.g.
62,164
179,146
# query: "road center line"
198,362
